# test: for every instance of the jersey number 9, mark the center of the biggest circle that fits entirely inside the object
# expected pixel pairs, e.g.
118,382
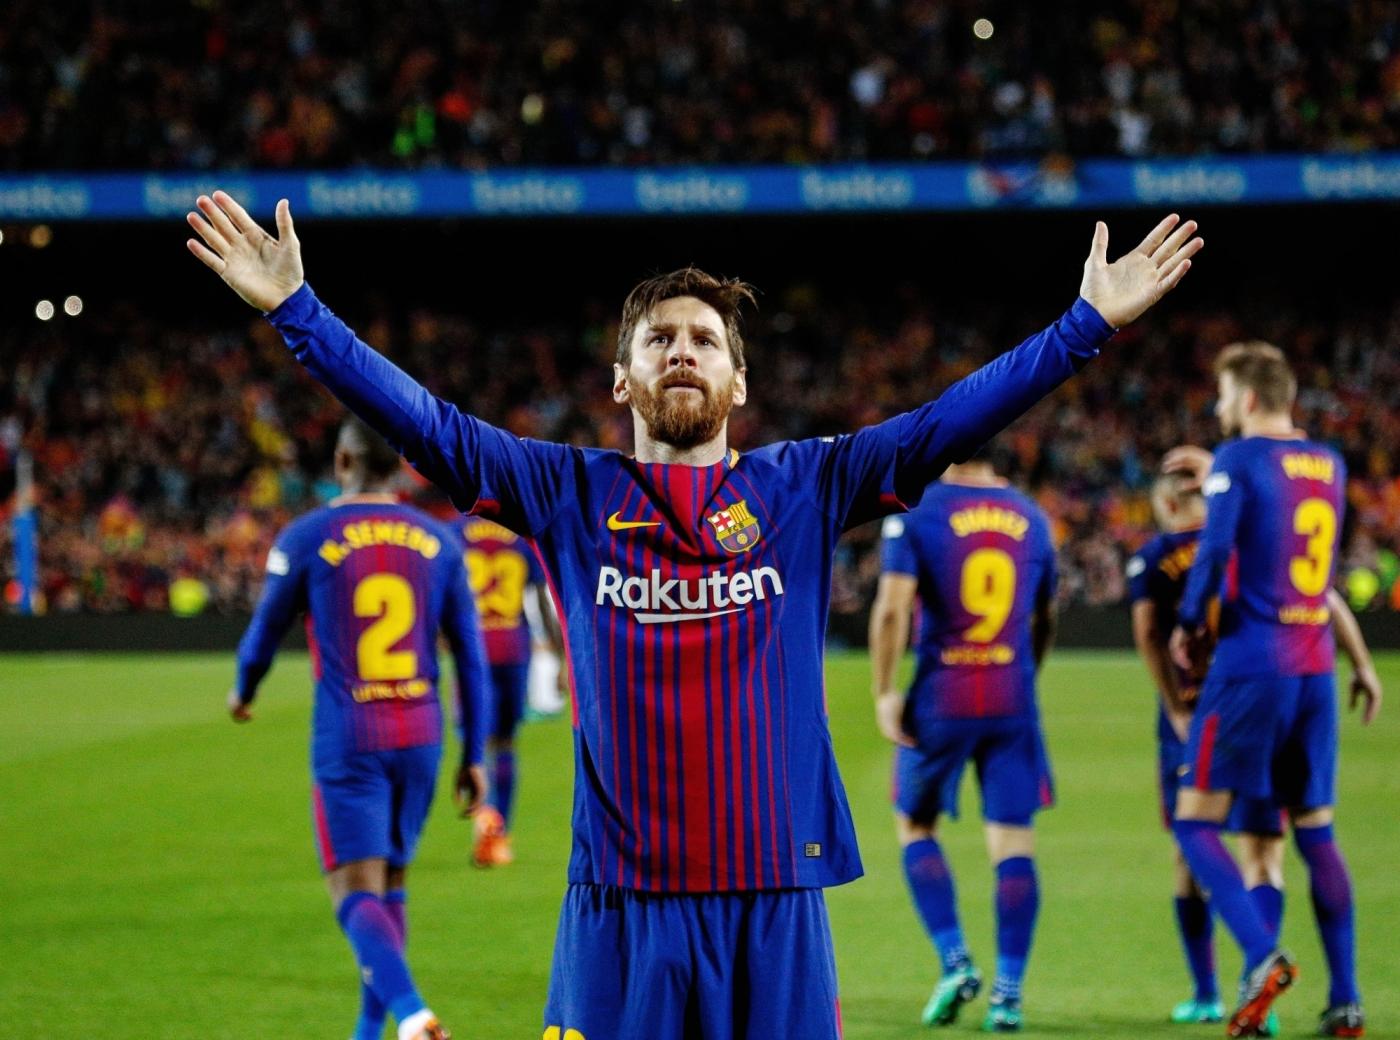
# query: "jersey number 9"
988,592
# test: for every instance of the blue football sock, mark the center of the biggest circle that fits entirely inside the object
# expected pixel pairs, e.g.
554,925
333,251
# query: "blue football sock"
1332,905
373,1012
931,885
1193,922
1269,901
1217,873
503,782
375,939
1017,902
396,903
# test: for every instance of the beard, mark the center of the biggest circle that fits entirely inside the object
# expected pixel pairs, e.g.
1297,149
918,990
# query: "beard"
677,419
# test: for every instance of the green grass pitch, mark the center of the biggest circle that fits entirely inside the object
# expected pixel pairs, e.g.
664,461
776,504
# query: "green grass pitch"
160,880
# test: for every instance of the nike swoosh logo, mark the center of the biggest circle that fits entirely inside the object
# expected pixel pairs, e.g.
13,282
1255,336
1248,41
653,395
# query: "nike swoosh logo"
614,524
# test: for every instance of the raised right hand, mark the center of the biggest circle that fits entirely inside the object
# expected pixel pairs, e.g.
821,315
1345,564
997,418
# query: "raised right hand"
261,269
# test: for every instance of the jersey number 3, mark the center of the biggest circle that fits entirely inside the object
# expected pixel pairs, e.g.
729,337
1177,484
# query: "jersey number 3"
988,592
1317,521
389,598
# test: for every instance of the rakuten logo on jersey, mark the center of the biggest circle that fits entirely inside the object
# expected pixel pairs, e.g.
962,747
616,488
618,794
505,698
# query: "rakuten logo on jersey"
655,600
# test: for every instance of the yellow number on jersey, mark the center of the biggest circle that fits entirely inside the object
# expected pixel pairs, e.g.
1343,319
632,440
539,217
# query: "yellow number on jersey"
1317,520
988,592
552,1033
498,582
389,598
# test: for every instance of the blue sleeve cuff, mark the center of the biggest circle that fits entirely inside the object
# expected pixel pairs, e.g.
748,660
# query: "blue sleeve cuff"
1085,329
296,309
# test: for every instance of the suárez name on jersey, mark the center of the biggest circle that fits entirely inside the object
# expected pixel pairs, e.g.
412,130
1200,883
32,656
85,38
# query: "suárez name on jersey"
658,600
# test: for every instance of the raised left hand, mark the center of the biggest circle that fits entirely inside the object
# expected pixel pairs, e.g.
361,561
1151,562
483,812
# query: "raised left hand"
1121,291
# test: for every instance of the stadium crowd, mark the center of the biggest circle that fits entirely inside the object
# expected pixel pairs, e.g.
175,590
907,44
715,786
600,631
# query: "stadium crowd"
167,452
429,83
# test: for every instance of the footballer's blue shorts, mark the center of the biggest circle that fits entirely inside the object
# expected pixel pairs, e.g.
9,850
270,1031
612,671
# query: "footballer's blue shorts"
1013,770
372,805
1271,737
632,965
509,684
1247,815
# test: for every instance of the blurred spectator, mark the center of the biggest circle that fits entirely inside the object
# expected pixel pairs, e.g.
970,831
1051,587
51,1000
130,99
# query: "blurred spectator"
172,454
429,83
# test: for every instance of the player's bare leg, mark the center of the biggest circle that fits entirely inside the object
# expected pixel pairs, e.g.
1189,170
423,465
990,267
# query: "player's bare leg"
376,932
931,886
1200,815
1012,852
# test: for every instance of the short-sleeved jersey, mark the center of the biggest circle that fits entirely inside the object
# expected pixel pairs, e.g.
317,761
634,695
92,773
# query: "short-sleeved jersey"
501,566
1157,574
1277,505
984,561
694,602
376,581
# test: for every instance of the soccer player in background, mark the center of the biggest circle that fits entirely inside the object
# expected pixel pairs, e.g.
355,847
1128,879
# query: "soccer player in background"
377,580
978,557
1266,722
504,573
1156,579
693,582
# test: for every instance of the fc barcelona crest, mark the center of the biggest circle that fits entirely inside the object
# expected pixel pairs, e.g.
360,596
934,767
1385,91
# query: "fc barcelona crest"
735,527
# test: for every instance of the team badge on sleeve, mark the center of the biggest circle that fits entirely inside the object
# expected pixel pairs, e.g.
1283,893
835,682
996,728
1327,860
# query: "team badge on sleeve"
735,527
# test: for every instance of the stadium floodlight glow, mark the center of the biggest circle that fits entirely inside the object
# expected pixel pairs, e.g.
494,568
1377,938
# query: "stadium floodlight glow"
73,306
983,28
40,236
43,310
2,238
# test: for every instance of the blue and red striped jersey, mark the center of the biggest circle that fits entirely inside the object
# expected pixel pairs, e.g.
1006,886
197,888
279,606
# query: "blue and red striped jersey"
1157,574
694,602
376,581
1277,505
501,566
984,563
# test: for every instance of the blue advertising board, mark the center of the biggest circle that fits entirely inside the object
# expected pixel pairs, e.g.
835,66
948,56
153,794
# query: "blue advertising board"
726,190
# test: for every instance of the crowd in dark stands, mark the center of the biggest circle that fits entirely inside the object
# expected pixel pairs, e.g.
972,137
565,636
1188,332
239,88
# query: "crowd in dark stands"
107,84
168,453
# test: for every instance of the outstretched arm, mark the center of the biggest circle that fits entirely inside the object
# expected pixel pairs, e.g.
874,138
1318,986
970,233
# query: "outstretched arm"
1111,295
1365,682
888,465
479,466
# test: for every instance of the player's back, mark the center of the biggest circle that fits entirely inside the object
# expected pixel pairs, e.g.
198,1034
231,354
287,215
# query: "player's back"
378,578
1290,497
501,565
984,561
1157,573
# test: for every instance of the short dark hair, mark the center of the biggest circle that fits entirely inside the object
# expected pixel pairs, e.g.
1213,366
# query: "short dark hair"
371,450
725,295
1260,367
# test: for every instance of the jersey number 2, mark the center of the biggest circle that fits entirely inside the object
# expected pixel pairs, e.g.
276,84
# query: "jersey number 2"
389,598
1317,520
988,591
